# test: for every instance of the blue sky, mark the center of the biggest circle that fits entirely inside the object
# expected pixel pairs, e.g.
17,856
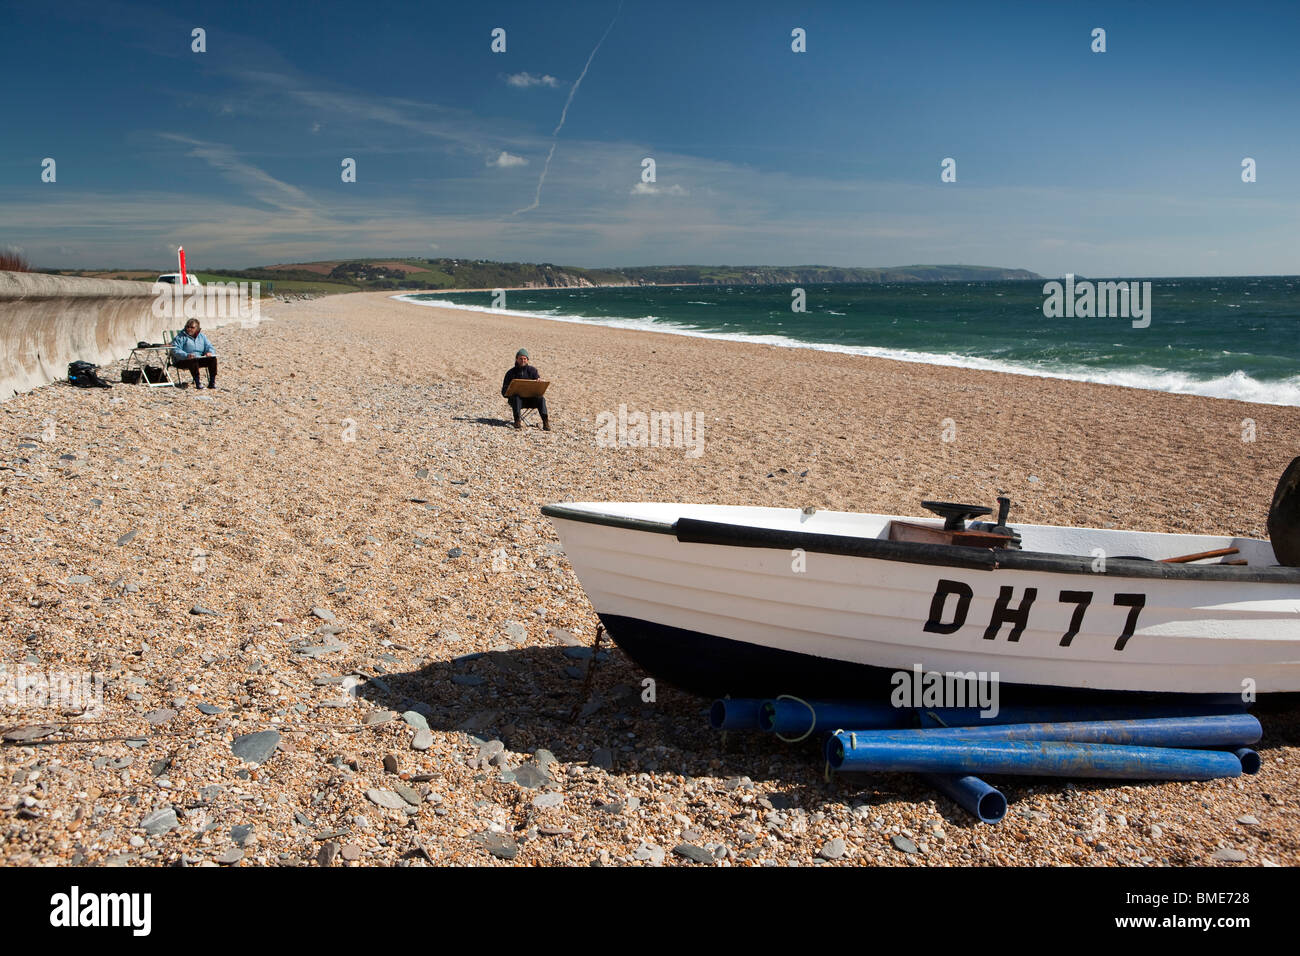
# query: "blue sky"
1120,163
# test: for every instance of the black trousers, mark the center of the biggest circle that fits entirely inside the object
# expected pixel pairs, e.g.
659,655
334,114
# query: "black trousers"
518,404
194,364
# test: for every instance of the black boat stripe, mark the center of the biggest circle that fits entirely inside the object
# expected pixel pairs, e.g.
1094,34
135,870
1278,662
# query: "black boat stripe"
696,531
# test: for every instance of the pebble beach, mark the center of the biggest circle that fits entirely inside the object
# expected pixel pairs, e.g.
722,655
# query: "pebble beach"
334,629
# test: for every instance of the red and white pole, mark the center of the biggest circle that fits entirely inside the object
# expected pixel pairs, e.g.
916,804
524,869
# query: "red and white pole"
180,255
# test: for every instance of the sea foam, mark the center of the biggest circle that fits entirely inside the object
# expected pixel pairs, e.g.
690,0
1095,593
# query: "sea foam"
1237,385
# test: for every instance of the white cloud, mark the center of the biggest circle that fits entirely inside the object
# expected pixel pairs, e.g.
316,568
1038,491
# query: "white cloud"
455,128
650,189
506,160
525,80
256,181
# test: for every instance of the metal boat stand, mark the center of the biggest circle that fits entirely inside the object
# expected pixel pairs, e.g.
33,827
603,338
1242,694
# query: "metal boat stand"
591,672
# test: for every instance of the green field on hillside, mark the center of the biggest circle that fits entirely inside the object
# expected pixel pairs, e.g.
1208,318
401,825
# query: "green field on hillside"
397,274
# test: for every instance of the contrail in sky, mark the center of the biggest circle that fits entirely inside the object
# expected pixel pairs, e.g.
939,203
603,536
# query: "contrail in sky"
537,200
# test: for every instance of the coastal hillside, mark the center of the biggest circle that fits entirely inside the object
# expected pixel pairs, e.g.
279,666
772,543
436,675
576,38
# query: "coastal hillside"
369,275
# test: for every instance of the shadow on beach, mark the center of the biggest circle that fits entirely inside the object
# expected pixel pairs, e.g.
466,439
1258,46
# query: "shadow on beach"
533,698
536,697
479,420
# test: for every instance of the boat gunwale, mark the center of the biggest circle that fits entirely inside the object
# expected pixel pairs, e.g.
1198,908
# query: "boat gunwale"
699,531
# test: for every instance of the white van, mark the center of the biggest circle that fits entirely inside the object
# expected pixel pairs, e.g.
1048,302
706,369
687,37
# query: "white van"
174,278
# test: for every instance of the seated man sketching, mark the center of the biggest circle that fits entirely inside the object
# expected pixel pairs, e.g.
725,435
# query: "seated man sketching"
192,350
522,370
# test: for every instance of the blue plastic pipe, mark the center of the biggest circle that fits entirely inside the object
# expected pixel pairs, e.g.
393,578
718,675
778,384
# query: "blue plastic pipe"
971,794
740,713
1222,730
788,716
1249,760
972,716
870,750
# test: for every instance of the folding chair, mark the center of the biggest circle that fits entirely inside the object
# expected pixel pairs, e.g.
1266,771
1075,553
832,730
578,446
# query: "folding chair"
527,388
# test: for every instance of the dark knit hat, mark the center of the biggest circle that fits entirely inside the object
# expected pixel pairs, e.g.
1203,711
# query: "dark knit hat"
523,352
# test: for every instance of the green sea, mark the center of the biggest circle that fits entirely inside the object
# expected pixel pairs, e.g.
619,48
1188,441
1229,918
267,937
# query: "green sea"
1222,337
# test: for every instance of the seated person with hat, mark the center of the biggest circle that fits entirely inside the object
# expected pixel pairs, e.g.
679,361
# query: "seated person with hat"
524,370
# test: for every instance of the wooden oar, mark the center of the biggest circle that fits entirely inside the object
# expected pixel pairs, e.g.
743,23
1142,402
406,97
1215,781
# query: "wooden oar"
1184,558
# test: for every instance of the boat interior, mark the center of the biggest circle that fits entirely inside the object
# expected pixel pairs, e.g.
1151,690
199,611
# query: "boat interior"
954,524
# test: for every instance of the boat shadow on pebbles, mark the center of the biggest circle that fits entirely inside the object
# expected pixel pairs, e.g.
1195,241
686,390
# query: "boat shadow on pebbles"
505,707
526,698
535,697
511,705
1279,715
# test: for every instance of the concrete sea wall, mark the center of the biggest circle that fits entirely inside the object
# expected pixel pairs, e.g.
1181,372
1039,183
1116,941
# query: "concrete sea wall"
48,321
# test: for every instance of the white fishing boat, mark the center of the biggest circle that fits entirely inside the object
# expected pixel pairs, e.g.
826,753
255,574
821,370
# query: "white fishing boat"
763,601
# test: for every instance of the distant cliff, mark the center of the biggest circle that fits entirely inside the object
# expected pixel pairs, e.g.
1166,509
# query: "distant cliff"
486,274
353,275
470,274
812,275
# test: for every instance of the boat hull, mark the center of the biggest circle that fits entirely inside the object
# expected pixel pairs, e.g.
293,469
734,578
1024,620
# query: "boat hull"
757,617
715,667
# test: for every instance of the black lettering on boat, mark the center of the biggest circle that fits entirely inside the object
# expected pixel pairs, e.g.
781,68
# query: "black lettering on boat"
1135,603
1081,599
1002,613
944,588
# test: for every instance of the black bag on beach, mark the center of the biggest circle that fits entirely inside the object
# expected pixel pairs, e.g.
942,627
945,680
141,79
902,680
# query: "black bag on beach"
85,375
